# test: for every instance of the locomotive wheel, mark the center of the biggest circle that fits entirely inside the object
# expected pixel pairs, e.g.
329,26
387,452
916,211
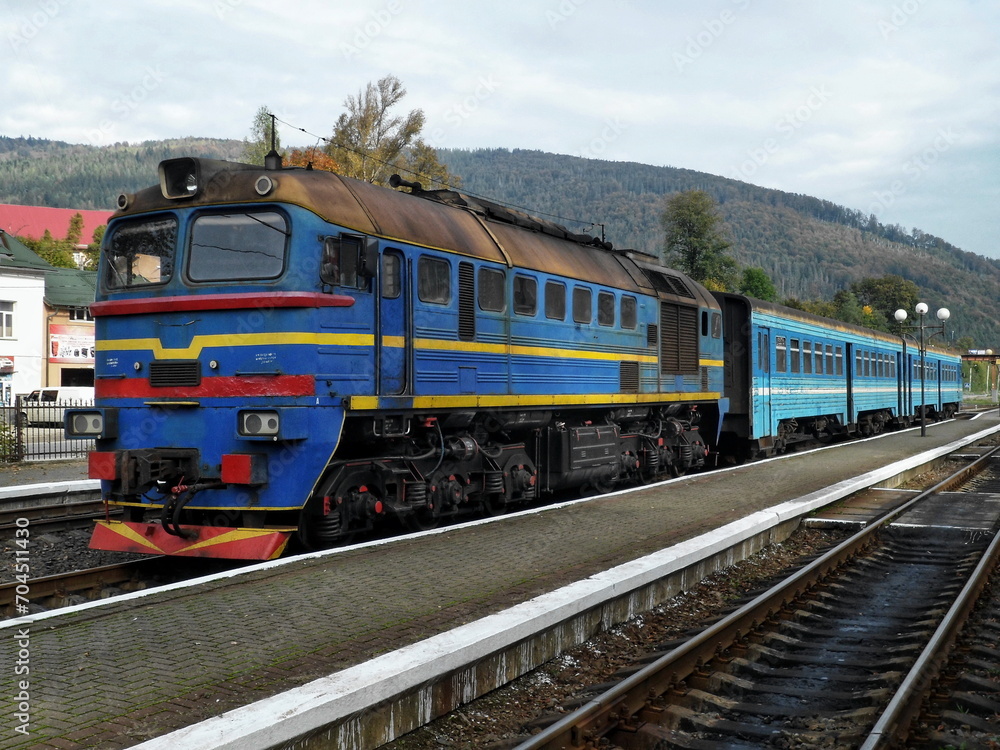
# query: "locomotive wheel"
331,531
423,519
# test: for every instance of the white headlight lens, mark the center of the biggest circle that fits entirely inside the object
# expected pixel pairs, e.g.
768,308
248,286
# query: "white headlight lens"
259,423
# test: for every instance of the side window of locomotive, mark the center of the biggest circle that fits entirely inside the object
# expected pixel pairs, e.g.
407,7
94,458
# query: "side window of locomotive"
140,252
525,295
237,247
555,300
629,313
492,294
781,354
392,276
582,312
434,280
605,309
341,262
716,325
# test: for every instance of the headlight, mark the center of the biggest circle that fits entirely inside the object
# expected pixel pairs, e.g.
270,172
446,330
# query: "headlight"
179,178
91,423
259,423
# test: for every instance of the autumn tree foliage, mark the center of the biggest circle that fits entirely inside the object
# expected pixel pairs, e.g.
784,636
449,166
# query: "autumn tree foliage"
371,142
311,158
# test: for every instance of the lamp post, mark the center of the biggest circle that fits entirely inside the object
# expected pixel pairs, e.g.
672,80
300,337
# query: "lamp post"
942,314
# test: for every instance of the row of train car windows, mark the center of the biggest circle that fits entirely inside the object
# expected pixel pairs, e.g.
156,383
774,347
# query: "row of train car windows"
874,364
949,373
805,356
434,286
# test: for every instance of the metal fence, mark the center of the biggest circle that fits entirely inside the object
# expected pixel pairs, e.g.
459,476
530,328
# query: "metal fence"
33,431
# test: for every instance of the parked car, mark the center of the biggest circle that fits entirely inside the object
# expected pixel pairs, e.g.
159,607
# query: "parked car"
47,405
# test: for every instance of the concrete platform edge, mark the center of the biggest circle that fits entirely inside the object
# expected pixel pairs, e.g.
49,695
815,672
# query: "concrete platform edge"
305,711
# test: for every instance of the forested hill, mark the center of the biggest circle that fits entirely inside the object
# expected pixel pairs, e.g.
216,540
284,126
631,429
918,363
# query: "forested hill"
811,248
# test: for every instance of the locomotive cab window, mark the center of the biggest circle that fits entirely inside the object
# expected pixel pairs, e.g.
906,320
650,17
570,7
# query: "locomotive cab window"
343,261
141,252
237,247
434,281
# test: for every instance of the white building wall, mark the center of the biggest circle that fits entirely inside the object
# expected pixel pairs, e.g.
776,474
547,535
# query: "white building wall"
26,289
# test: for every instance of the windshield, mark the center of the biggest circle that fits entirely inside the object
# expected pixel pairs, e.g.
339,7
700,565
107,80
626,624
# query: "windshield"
140,252
230,247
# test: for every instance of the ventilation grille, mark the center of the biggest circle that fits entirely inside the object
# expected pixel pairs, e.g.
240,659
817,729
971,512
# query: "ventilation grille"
175,374
678,339
628,376
652,334
466,302
664,282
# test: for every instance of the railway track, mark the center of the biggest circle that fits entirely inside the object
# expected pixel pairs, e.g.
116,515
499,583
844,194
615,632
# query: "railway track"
50,592
57,516
841,654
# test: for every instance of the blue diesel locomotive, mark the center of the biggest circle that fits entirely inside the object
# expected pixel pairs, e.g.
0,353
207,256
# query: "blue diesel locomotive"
288,353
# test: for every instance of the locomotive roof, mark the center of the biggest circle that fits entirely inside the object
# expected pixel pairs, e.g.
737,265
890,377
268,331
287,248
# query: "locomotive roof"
444,219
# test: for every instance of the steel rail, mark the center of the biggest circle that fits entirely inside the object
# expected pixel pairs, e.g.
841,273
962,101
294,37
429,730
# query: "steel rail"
582,728
63,584
893,726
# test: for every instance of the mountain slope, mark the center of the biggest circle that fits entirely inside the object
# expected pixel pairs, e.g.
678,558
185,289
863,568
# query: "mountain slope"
811,248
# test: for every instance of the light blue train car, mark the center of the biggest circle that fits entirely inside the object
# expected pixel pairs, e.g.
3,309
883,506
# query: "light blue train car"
792,377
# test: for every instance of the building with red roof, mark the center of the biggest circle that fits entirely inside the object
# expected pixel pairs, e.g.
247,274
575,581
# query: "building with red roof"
32,221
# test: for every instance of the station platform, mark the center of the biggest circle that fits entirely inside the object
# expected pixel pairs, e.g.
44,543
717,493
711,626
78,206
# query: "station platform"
148,669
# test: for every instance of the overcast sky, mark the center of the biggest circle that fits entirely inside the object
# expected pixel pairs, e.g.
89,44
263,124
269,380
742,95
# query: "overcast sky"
890,107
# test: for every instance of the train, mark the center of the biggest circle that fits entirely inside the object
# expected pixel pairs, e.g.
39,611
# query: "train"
287,356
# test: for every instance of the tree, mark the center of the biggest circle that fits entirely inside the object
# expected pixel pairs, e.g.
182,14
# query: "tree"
694,241
756,283
887,294
259,144
370,143
311,159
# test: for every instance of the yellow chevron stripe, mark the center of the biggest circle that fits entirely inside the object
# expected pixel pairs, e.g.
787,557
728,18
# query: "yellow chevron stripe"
235,339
